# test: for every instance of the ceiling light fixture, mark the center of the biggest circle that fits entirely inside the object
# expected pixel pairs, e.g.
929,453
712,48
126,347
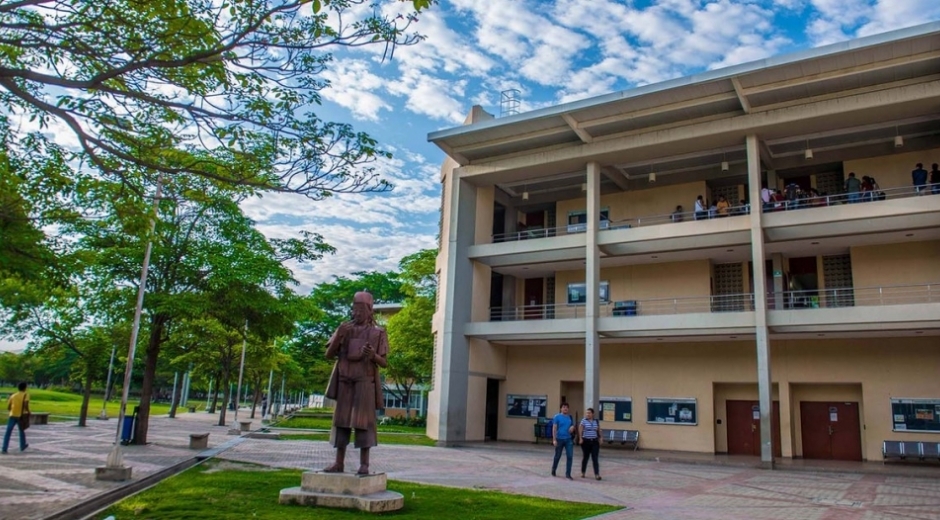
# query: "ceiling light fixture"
724,166
898,140
808,154
652,176
583,186
814,243
525,193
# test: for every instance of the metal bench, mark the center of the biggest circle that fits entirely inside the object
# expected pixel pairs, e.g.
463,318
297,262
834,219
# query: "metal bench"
910,450
629,438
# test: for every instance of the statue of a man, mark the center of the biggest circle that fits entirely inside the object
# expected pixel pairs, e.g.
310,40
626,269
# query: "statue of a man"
360,348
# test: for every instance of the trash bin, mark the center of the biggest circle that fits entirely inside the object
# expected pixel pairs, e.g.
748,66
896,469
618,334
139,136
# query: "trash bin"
127,429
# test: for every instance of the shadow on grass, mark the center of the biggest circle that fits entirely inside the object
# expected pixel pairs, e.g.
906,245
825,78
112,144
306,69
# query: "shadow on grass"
225,490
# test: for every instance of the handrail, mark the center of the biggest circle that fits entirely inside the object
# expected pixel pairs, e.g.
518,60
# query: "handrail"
878,195
856,296
657,306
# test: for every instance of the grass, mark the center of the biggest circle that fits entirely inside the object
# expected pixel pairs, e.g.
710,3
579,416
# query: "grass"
225,490
324,423
64,404
384,438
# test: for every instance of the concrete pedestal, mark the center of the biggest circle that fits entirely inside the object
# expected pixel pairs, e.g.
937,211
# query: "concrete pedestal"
113,474
344,491
244,426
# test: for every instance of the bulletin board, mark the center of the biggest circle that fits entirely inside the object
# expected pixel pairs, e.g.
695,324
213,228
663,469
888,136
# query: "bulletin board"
916,415
528,406
619,409
681,411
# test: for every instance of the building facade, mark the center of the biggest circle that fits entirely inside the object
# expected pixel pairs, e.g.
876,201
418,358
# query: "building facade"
575,265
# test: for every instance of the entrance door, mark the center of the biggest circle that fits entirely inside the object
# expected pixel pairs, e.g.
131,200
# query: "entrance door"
804,282
744,428
830,431
572,392
492,410
534,294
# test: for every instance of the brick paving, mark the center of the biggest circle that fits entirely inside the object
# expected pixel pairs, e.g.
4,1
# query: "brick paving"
57,471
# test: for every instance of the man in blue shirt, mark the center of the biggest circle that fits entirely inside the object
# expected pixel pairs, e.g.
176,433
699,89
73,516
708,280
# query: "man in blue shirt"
562,431
919,178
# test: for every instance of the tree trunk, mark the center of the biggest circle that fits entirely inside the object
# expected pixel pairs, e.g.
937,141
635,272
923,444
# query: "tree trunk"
177,396
256,400
86,397
226,395
407,401
215,394
157,324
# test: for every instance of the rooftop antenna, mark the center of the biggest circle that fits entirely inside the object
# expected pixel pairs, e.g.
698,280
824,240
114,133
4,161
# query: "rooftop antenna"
509,102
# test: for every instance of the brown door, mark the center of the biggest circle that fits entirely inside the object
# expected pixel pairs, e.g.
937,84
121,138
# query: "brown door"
744,428
534,291
831,431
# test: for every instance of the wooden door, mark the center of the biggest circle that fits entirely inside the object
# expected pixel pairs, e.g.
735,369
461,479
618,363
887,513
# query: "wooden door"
830,431
744,427
534,294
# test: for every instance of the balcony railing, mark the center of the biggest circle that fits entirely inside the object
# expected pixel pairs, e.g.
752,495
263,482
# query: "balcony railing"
851,198
856,297
526,234
652,307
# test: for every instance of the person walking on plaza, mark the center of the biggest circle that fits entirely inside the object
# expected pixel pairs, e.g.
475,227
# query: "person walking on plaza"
18,406
590,434
919,178
562,430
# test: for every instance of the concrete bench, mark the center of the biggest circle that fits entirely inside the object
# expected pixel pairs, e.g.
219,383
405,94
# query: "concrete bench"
38,418
628,438
198,441
244,426
910,450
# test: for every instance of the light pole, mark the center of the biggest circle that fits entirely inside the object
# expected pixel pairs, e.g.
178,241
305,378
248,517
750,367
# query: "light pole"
241,372
103,416
115,469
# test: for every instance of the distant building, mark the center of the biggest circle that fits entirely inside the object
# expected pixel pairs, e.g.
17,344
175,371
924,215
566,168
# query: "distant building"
804,327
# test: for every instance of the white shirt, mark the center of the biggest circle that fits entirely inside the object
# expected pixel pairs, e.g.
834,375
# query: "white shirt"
765,195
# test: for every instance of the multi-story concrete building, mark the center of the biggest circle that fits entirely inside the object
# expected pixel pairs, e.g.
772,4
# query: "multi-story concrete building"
807,327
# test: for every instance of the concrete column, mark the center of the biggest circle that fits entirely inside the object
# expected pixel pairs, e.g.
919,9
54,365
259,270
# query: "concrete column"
764,385
777,260
592,275
455,347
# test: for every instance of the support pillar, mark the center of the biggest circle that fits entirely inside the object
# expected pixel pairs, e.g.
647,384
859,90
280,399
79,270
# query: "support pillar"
455,347
592,267
764,380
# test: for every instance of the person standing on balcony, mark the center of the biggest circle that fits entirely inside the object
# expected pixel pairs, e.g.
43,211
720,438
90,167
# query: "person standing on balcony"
919,176
766,194
677,214
723,206
701,211
853,187
935,179
590,435
562,432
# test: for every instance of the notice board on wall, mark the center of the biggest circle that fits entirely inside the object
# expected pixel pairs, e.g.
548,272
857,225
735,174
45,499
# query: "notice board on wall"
618,409
682,411
526,405
915,415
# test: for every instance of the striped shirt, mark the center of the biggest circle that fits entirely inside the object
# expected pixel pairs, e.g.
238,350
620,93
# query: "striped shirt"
589,428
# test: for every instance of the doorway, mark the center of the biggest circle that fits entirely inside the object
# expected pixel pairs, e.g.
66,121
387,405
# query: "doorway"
744,427
803,282
572,392
534,298
491,421
831,430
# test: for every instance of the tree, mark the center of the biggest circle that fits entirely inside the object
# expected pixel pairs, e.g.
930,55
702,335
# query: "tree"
218,90
411,341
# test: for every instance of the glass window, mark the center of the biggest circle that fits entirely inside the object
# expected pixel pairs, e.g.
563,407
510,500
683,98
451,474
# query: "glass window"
577,220
577,293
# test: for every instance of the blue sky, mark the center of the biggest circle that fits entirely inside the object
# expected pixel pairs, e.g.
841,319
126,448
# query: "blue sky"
553,51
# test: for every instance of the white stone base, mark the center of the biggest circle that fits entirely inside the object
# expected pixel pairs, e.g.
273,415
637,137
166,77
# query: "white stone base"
113,474
344,491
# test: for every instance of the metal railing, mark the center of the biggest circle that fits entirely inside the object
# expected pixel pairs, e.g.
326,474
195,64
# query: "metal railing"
823,201
526,234
652,307
855,297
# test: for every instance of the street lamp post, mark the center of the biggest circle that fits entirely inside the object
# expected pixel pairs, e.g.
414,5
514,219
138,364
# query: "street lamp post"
103,416
241,373
115,469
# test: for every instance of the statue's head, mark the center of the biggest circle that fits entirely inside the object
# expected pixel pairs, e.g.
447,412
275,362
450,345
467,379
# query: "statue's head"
362,308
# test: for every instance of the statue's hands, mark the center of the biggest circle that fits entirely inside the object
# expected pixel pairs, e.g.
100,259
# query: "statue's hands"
368,352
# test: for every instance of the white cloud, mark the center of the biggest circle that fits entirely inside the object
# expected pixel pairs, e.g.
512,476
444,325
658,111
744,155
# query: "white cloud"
353,86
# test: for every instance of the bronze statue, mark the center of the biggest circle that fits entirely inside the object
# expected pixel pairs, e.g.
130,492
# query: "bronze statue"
360,348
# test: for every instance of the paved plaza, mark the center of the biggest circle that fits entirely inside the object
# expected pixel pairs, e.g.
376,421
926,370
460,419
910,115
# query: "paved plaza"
58,471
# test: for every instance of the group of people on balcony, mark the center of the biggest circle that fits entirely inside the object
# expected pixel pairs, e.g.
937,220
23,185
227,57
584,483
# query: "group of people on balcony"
718,209
921,177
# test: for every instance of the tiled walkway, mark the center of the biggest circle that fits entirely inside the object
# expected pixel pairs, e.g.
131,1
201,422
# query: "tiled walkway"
58,471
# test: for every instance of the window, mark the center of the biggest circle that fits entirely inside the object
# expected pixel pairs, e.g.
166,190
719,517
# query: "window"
577,293
393,401
577,220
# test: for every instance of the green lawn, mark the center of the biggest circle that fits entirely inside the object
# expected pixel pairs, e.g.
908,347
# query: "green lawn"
384,438
64,404
225,490
323,423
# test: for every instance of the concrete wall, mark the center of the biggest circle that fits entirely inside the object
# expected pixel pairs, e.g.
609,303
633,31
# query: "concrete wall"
908,263
867,371
892,171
